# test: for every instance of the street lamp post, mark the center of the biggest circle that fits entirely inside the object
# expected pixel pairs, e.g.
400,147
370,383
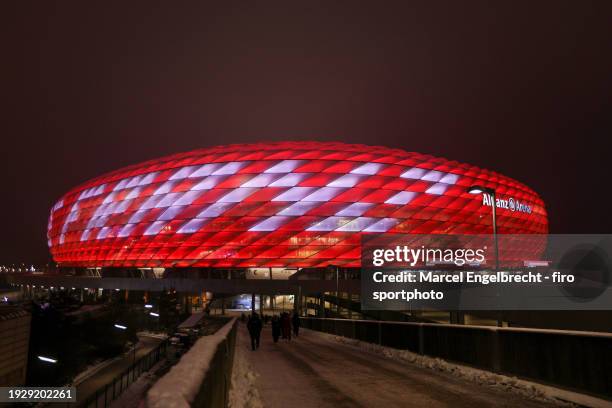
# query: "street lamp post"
491,192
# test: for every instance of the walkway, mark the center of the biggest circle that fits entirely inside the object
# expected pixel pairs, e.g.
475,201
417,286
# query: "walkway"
315,371
110,372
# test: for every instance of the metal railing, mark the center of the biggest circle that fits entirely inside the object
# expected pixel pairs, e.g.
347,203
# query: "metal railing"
580,361
105,395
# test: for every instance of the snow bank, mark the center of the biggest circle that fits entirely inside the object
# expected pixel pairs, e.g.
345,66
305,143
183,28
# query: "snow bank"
180,386
243,393
535,391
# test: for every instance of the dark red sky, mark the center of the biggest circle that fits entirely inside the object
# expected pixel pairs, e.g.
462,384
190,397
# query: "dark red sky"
524,88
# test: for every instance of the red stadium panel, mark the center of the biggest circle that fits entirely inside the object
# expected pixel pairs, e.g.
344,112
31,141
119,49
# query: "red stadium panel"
292,204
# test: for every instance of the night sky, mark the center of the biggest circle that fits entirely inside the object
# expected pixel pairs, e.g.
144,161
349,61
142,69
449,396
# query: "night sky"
523,88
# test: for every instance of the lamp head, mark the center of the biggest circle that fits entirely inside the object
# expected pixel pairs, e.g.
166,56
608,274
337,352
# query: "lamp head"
475,190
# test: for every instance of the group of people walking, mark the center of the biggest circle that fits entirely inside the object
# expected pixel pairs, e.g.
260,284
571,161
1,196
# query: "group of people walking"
282,326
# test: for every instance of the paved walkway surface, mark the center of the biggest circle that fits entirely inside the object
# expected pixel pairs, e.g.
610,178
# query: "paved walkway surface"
108,373
315,371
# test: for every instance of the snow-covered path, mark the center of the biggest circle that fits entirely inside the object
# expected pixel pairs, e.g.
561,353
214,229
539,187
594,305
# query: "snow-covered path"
315,371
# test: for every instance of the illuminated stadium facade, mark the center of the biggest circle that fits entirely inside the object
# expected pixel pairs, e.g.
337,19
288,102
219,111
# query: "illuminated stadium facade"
288,204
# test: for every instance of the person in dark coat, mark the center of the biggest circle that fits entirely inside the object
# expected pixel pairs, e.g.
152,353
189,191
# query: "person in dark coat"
254,326
286,326
276,328
295,322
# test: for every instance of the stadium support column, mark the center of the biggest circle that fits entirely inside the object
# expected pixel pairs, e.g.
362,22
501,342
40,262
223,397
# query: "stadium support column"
349,296
272,295
252,303
297,300
322,305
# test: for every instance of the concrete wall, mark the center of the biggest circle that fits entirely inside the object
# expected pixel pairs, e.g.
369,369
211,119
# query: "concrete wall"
14,341
202,377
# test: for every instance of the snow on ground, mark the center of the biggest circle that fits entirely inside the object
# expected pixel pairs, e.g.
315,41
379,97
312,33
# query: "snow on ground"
92,369
534,391
180,386
243,392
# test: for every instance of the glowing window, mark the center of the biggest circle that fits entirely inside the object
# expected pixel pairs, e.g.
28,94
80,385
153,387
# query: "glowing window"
215,210
101,221
383,225
294,194
126,230
230,168
134,181
347,180
192,226
122,207
165,188
148,179
100,189
84,194
168,200
433,175
103,233
151,202
270,224
208,183
367,169
137,216
121,185
110,208
299,208
188,198
155,228
358,224
170,213
329,224
413,173
183,173
109,198
205,170
324,194
133,194
290,180
286,166
403,197
438,189
261,180
355,209
449,178
237,195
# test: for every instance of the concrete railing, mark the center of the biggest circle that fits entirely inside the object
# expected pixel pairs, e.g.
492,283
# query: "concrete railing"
202,376
580,361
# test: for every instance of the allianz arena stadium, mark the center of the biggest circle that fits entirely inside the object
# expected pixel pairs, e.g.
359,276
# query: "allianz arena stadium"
285,204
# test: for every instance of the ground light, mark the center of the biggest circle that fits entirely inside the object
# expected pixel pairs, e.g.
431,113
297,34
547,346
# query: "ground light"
485,190
47,359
